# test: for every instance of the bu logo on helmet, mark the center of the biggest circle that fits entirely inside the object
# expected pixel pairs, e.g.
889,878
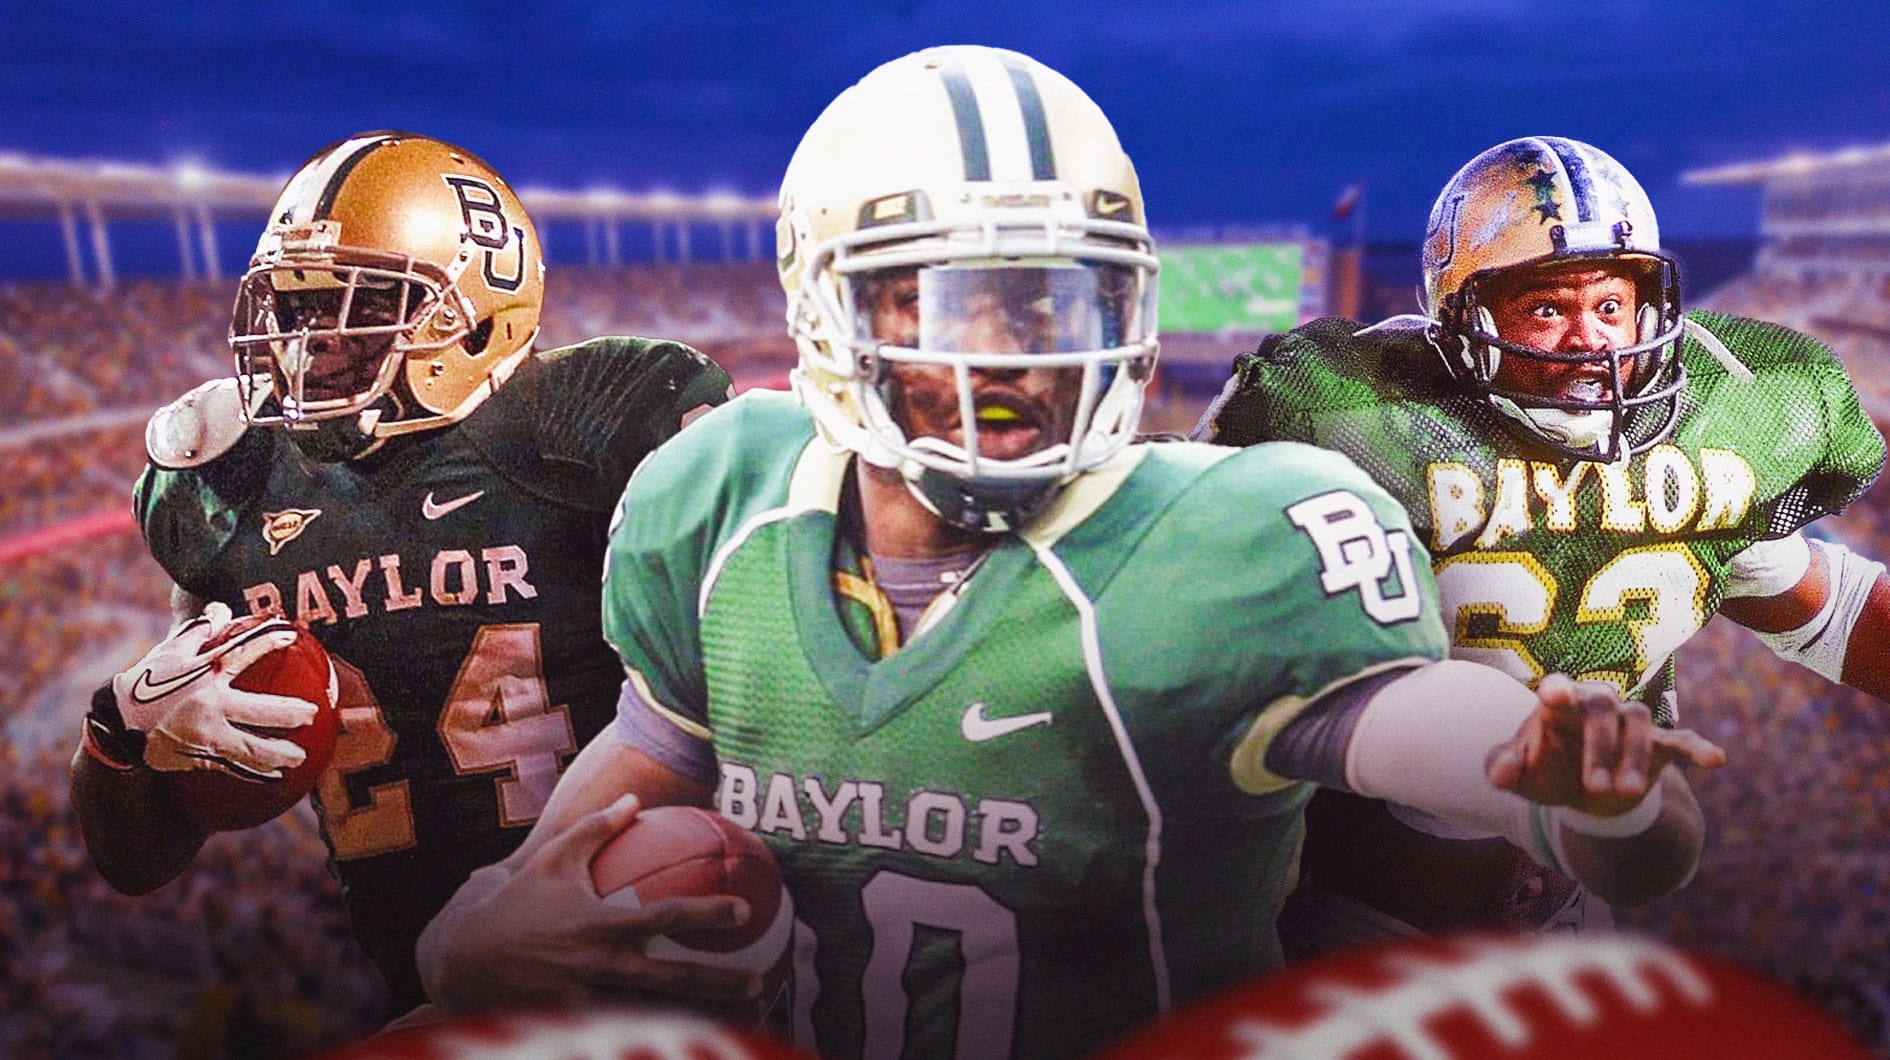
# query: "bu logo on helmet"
483,213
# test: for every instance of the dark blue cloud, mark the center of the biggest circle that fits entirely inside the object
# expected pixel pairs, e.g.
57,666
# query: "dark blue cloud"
1235,112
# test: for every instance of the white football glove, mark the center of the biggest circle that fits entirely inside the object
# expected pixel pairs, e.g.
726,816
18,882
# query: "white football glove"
180,697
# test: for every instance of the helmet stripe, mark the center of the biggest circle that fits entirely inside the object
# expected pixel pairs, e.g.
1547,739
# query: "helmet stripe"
1043,164
1580,182
970,125
342,162
1002,116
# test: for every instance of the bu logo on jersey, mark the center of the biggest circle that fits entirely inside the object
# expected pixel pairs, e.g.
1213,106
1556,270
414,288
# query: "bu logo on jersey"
280,528
487,226
1357,553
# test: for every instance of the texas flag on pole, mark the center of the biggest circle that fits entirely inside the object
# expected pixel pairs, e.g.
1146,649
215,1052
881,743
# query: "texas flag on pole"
1347,201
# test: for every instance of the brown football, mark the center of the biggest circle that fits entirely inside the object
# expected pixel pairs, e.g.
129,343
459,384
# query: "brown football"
1478,997
224,802
687,851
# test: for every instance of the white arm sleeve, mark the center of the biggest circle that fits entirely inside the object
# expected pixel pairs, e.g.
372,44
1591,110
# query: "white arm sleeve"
1820,644
1421,742
1768,568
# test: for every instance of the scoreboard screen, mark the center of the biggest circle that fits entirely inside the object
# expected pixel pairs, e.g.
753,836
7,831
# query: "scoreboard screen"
1232,287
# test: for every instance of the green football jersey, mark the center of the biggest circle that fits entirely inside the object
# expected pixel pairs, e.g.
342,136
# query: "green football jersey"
1552,564
454,578
1046,819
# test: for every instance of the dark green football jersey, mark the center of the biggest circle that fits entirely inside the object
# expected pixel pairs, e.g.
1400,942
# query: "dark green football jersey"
1552,564
454,578
1046,818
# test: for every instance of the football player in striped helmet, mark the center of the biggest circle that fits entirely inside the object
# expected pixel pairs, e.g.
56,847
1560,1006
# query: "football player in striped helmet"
1025,712
1594,473
1513,225
1012,249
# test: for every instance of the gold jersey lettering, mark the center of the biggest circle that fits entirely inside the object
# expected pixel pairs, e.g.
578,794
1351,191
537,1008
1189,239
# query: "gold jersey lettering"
1729,485
1509,512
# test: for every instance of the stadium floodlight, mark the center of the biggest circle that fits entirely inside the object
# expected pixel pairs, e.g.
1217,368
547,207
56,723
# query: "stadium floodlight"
722,201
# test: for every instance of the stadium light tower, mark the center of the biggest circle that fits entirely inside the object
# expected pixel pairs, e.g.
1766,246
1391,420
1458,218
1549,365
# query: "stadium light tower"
725,206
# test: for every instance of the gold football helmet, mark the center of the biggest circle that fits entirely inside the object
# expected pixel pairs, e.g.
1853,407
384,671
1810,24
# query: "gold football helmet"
1539,201
994,190
397,285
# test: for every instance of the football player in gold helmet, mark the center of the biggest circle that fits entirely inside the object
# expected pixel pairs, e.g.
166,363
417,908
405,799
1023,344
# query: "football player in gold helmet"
1508,228
397,285
394,465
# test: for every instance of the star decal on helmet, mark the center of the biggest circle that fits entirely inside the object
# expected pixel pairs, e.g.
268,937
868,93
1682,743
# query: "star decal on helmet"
1543,184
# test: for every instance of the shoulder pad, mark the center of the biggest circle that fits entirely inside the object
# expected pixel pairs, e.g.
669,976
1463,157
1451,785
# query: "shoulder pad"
202,425
574,422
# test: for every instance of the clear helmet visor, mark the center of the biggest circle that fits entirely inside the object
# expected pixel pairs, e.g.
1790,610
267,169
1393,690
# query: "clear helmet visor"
1001,367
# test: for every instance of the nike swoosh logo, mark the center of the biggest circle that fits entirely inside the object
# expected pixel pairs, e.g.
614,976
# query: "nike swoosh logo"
145,690
431,510
977,728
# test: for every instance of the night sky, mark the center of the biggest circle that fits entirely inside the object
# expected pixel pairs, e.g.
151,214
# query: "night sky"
1235,112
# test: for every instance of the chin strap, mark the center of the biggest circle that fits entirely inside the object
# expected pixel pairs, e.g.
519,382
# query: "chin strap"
1577,430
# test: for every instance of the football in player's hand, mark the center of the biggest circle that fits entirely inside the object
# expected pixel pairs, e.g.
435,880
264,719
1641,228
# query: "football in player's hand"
224,802
687,851
1535,996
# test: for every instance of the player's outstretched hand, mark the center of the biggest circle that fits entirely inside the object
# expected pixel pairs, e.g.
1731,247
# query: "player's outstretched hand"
1587,749
544,937
180,697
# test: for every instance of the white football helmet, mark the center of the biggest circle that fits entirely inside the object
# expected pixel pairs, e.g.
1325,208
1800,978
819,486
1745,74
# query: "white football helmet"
1002,189
1544,200
397,285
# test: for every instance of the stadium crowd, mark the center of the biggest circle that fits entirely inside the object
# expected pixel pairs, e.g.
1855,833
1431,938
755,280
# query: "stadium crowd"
248,952
1850,312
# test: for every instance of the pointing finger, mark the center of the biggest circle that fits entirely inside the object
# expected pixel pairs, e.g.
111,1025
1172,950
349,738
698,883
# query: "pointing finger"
1601,736
579,843
1687,745
1637,750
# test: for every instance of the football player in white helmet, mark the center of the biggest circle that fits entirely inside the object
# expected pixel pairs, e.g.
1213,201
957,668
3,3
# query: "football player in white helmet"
1020,718
1014,249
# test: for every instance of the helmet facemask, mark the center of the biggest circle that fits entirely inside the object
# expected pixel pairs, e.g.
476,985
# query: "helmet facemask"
331,332
1550,203
1629,406
988,364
